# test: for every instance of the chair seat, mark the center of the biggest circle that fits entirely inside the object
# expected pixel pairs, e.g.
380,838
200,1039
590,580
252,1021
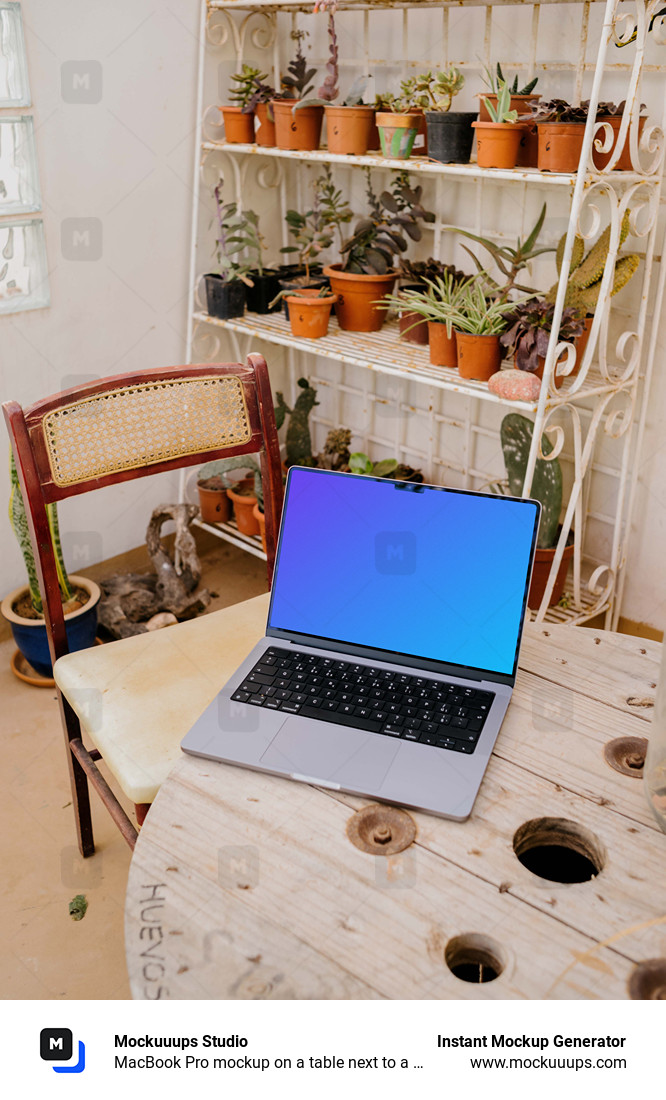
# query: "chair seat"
137,698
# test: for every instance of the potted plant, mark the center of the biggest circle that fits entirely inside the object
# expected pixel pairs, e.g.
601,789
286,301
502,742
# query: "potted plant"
497,141
530,325
212,485
260,103
438,303
450,133
561,128
225,289
242,494
312,233
349,124
23,609
366,273
509,261
612,115
265,281
310,311
416,275
521,101
239,116
516,436
297,129
399,124
478,322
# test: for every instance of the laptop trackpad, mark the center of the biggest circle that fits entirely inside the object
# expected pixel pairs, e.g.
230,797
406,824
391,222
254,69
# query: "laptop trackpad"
321,750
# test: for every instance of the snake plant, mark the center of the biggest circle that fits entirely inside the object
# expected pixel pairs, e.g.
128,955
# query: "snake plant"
19,522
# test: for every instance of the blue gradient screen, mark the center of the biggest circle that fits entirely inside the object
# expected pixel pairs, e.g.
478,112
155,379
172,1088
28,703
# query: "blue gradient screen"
421,571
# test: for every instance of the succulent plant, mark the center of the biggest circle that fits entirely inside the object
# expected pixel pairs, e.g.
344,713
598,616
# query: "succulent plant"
299,441
435,91
422,271
441,299
516,436
262,93
235,233
510,261
313,230
586,271
500,111
245,82
297,82
496,79
380,235
335,455
530,325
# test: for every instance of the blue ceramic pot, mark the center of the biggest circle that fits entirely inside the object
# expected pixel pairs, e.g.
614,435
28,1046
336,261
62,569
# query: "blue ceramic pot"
30,634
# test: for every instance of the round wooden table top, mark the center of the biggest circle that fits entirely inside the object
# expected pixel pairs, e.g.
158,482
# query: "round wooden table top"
243,885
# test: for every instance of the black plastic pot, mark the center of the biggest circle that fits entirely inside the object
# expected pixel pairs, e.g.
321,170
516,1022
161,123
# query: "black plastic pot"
450,135
266,287
224,299
301,282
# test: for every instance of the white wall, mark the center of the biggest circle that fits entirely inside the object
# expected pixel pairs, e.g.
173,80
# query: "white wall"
127,162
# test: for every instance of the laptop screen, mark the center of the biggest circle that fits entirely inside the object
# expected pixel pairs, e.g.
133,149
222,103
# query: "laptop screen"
417,570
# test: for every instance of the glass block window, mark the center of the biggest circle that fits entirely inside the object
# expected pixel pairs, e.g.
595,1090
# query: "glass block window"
23,265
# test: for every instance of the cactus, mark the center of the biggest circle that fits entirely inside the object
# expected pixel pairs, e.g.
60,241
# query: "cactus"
586,272
516,436
19,522
299,442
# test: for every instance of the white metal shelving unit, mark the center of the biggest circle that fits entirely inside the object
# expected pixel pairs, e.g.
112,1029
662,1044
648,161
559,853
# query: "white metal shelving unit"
400,402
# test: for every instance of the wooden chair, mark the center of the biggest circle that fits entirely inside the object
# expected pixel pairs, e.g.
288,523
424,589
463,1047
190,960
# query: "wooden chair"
109,432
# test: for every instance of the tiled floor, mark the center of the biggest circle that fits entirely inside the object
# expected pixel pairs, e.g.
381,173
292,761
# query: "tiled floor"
43,952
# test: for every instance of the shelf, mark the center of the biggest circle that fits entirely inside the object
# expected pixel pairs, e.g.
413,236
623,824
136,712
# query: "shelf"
368,5
230,533
385,353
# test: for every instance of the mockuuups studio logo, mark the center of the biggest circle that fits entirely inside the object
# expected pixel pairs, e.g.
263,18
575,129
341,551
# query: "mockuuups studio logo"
56,1045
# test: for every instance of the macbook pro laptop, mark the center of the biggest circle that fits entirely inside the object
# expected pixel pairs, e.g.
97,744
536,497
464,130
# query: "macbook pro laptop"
392,642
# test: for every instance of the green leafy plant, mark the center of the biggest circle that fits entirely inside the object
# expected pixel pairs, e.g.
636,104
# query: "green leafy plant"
359,463
516,437
435,91
19,522
334,208
245,81
510,261
530,326
586,271
441,301
235,234
496,79
502,111
380,236
475,313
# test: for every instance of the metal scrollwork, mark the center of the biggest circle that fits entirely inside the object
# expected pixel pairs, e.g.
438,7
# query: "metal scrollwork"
221,28
205,344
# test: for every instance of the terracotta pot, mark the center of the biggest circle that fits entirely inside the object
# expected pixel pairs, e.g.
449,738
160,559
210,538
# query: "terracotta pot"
30,634
478,356
543,560
519,103
420,148
261,520
357,296
300,129
265,134
243,508
238,127
373,141
397,133
214,504
349,129
413,327
497,143
560,145
309,314
624,161
442,346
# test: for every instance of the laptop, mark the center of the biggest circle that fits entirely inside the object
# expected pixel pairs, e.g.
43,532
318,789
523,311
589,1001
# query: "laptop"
391,646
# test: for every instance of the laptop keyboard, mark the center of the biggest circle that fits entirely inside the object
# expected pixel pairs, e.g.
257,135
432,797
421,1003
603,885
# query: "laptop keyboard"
413,708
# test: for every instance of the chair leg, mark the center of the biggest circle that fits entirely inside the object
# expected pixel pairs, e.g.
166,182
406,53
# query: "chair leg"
81,803
141,809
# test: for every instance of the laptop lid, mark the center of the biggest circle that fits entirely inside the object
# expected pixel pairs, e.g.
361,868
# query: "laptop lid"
437,578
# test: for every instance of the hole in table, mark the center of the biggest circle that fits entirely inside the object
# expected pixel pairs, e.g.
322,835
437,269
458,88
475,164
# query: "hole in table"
381,830
647,981
474,958
558,850
626,755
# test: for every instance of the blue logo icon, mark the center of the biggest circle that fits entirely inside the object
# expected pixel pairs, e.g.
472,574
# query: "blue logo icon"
56,1045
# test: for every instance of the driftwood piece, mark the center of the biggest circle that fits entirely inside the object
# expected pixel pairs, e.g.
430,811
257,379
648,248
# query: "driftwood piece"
130,600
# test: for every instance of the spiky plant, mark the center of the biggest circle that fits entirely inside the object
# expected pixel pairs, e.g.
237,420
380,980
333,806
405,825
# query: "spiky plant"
516,436
245,82
19,522
586,271
510,261
496,79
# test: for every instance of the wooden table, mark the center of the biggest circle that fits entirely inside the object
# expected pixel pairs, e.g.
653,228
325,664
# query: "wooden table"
243,885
